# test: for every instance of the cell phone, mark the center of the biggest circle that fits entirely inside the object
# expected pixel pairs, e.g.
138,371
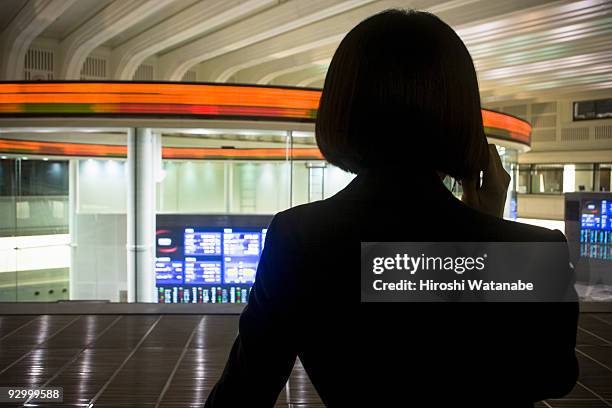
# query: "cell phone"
454,185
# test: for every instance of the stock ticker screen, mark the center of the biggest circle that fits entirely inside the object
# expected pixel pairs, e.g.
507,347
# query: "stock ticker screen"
596,229
207,259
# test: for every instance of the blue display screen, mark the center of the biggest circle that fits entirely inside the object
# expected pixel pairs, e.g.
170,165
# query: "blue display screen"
202,272
241,252
596,215
168,271
596,230
207,264
202,242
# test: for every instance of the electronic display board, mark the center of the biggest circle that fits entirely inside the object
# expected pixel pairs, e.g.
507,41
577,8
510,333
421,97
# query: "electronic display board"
596,229
202,242
168,271
208,259
241,251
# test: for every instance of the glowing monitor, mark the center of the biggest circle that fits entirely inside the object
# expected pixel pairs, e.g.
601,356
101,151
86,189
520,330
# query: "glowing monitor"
596,229
208,259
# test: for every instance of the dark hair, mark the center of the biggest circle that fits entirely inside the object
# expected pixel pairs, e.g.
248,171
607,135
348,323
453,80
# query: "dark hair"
402,88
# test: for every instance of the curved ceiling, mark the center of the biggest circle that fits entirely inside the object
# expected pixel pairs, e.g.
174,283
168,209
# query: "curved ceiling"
523,49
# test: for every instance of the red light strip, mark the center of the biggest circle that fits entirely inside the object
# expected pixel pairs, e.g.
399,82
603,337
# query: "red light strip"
518,130
196,100
118,151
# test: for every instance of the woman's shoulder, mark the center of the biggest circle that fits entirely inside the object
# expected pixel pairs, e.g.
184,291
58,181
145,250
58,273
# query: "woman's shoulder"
314,208
305,214
519,231
484,227
328,217
315,219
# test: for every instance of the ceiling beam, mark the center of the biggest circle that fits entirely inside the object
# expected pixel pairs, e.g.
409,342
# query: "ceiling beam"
597,78
109,22
599,29
306,74
285,17
202,17
527,35
309,81
268,71
550,67
325,33
15,40
320,65
555,14
559,75
317,82
547,52
579,90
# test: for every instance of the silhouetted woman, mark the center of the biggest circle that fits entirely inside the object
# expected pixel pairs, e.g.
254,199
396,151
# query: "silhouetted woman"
400,108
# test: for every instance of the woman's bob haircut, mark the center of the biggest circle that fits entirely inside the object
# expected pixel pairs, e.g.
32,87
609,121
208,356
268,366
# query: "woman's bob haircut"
401,90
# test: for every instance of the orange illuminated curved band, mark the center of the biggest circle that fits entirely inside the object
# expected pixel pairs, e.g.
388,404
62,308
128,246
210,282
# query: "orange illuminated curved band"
184,100
195,100
11,146
158,99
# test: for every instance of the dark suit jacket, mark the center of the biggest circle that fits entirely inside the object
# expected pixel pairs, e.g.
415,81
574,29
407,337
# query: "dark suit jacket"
306,303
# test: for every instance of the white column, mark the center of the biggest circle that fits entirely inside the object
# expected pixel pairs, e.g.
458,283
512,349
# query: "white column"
72,224
141,215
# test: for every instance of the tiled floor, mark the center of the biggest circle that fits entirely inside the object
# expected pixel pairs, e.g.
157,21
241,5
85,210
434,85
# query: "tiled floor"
174,360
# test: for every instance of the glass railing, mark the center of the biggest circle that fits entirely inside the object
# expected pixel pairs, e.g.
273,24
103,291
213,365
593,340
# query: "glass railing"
35,268
33,215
